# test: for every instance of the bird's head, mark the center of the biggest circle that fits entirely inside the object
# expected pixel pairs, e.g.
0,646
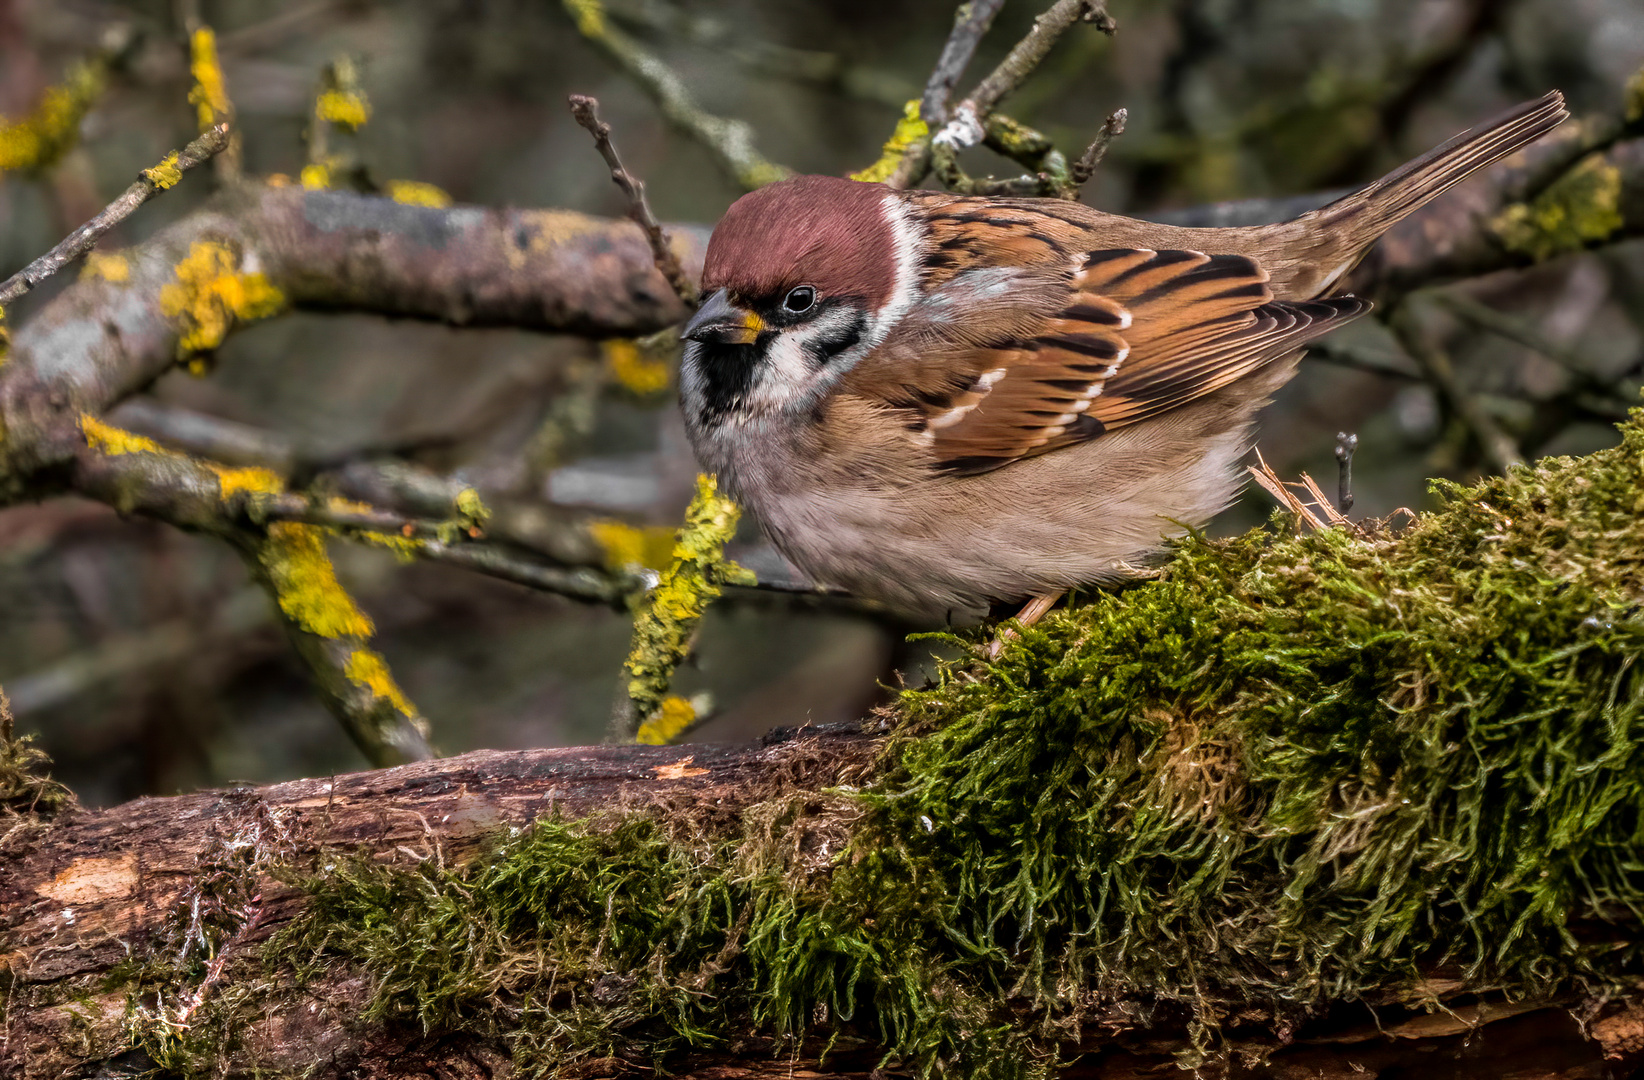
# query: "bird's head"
801,278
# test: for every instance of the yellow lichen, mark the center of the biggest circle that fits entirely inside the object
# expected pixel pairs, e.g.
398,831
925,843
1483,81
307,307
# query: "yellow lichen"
663,628
166,174
634,368
417,193
305,583
247,481
627,546
403,548
471,508
316,177
40,139
100,267
910,130
113,441
211,294
672,717
1581,208
589,16
539,232
345,108
368,669
210,94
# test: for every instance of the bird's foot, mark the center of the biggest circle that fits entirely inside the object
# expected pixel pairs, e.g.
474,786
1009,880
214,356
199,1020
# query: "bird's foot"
1031,612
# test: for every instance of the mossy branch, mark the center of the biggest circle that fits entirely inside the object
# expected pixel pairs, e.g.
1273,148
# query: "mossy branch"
1309,799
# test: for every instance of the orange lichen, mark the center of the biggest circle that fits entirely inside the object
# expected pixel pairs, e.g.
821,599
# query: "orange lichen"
39,140
113,441
345,108
166,174
637,369
628,546
670,720
113,268
246,481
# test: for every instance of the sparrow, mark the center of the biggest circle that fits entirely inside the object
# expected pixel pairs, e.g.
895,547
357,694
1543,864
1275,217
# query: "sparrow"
942,402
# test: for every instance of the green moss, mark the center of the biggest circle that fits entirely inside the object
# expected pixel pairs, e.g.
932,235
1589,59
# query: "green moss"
24,788
1294,769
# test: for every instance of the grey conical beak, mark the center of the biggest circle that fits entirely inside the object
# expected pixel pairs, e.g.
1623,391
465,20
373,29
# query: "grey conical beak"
720,322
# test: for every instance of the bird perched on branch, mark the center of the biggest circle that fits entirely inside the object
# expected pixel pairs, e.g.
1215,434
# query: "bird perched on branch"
942,401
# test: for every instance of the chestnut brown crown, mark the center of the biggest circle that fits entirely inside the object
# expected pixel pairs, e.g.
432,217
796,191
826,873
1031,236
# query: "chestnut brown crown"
822,231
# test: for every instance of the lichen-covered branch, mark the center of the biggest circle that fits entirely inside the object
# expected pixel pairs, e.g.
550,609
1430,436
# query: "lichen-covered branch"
149,183
970,115
210,98
970,24
326,626
37,141
666,621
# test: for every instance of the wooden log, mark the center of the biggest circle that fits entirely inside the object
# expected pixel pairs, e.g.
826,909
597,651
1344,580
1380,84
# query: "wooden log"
92,890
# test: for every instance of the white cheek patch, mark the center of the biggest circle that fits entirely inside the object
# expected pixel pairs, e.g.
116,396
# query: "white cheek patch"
790,372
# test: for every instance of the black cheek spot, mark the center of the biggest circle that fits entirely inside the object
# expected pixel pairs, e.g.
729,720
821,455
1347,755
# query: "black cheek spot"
825,347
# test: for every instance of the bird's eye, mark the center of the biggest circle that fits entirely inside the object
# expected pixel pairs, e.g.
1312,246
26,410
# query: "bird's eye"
800,300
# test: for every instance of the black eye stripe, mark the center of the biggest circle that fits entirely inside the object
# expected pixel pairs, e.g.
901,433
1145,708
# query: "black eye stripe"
800,300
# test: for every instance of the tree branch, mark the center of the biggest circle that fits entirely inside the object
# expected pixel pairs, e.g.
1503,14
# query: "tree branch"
149,183
970,25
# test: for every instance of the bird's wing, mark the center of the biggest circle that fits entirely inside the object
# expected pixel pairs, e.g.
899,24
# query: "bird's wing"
1004,363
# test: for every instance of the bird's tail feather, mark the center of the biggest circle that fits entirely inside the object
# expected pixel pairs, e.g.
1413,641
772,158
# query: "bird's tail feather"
1377,208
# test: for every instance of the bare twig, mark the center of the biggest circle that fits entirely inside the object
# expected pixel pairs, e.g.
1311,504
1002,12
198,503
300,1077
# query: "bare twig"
149,183
730,141
586,111
1345,445
1085,167
583,583
970,24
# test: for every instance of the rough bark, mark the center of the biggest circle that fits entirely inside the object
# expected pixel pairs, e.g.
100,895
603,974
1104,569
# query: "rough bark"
92,889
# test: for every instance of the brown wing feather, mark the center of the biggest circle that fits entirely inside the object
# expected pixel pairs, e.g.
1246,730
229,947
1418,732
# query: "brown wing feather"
1139,332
